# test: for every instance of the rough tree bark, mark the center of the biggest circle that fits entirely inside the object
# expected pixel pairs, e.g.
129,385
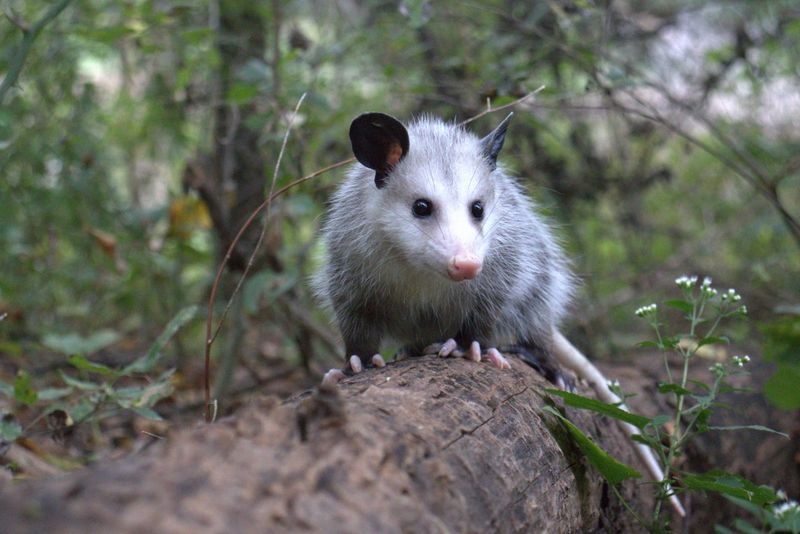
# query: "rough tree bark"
424,445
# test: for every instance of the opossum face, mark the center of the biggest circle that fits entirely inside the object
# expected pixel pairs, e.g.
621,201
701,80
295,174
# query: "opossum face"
434,195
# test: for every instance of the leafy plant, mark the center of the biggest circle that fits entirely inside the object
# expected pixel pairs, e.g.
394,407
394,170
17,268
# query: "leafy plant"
781,517
83,399
704,308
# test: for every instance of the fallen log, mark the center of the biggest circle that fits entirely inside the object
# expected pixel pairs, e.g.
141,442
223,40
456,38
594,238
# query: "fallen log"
423,445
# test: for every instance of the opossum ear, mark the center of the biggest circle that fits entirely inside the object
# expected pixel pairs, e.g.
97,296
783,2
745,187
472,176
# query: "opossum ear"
379,142
492,143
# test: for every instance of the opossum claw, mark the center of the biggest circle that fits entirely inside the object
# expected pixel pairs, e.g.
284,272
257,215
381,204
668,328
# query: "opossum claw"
355,364
448,347
494,356
377,360
332,377
565,382
433,348
474,352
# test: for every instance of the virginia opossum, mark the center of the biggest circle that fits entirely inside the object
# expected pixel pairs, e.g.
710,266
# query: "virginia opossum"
429,242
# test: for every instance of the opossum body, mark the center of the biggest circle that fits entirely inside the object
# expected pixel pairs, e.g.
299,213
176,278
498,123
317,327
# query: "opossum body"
431,244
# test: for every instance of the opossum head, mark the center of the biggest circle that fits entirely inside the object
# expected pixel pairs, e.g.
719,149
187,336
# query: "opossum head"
434,194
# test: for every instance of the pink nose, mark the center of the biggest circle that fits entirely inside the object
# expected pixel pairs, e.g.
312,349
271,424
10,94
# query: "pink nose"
463,267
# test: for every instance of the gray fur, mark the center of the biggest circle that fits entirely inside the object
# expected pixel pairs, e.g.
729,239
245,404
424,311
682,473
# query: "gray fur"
382,272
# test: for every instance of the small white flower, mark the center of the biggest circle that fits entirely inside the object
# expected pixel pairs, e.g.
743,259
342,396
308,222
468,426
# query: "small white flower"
732,295
785,508
717,369
614,384
645,311
743,310
706,288
739,361
686,282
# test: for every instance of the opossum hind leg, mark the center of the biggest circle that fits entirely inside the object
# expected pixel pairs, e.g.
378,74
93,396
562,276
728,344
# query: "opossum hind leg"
544,362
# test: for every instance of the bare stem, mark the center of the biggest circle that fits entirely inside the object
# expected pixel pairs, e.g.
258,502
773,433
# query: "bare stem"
29,36
267,204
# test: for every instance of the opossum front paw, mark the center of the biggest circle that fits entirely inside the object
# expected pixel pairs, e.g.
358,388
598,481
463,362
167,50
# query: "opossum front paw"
473,353
443,350
353,367
356,365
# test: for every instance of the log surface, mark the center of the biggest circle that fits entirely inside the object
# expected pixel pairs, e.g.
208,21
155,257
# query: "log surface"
423,445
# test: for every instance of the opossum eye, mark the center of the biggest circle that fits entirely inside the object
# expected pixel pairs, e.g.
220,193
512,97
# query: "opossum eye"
422,207
477,209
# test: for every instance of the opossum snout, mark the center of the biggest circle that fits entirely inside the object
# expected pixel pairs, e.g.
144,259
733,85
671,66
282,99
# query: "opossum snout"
463,267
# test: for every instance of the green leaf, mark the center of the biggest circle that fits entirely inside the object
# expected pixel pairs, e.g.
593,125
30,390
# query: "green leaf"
670,342
680,305
702,418
648,344
9,430
579,401
79,384
79,362
729,484
610,468
643,439
81,410
76,344
23,389
673,388
148,361
713,340
661,420
759,428
241,93
50,394
700,384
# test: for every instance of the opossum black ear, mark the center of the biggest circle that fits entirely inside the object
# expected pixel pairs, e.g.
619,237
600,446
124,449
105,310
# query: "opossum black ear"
492,143
379,142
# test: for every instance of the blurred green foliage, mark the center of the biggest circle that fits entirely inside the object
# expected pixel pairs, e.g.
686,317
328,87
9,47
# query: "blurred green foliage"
663,143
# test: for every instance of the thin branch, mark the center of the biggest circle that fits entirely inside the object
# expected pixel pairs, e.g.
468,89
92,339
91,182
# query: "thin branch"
490,109
16,20
741,164
210,315
29,36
